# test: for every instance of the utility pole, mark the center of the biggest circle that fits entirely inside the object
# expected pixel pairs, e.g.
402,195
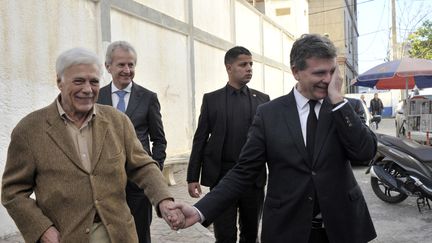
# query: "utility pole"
393,28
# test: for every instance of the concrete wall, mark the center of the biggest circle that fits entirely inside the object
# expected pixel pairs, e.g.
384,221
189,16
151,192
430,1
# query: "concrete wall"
33,34
180,47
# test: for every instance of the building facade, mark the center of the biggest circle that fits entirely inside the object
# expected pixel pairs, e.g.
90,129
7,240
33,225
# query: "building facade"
338,20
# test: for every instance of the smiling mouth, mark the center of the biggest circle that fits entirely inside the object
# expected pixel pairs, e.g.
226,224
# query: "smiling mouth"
85,98
321,87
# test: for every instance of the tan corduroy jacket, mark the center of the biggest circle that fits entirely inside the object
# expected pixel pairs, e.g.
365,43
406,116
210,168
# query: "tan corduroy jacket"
42,159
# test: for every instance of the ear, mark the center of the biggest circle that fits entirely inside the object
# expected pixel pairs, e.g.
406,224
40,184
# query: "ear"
58,80
228,67
107,66
295,72
59,83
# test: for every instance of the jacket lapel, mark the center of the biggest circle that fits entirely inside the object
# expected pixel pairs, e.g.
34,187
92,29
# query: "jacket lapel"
56,132
254,102
293,120
134,100
323,127
224,109
105,95
99,130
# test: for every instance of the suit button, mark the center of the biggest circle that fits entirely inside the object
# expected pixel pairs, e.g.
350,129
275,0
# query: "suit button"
87,230
313,173
310,198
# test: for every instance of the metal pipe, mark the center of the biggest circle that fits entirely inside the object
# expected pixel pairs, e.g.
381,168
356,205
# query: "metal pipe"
420,184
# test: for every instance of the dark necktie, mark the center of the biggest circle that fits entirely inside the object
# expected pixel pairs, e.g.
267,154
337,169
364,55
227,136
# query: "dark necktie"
311,127
121,105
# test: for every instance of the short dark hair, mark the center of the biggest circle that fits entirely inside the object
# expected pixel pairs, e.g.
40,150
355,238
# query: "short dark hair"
234,52
311,45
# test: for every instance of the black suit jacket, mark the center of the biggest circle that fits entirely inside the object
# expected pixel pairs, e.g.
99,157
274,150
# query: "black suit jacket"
275,138
144,111
210,135
358,108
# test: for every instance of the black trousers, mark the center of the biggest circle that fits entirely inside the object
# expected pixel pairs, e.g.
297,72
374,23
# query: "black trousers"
141,210
318,236
249,209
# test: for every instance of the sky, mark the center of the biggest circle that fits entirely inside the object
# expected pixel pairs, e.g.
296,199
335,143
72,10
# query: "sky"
374,25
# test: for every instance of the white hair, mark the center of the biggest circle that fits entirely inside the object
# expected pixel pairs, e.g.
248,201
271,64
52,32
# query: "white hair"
76,56
124,45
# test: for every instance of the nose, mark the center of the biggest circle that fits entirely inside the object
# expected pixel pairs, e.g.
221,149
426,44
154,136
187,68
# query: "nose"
327,78
126,69
249,67
87,88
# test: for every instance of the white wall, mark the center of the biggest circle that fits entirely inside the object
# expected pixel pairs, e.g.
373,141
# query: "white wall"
213,17
247,26
173,8
32,37
162,68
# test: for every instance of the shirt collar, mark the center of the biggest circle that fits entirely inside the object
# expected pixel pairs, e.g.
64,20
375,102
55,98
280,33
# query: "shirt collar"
231,89
302,101
127,89
65,117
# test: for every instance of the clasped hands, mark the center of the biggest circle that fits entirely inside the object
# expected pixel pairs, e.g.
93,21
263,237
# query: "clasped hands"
178,215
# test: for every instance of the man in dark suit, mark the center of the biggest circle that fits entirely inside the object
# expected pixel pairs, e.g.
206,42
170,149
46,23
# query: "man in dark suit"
142,107
226,115
312,194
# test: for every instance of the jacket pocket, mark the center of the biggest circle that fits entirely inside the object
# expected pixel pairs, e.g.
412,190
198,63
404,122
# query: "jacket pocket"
272,202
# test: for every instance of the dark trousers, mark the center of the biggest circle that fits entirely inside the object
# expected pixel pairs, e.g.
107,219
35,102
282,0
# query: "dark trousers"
249,208
141,210
318,236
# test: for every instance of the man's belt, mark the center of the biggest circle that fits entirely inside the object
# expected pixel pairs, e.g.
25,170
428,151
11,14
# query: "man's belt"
317,223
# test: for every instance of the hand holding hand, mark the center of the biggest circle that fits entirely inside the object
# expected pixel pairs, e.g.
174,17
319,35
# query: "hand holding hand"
194,189
174,217
190,213
51,235
335,87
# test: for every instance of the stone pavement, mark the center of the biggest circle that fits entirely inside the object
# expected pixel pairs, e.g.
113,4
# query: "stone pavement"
161,233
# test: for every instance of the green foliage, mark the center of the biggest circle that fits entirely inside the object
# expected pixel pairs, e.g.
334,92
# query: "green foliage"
421,41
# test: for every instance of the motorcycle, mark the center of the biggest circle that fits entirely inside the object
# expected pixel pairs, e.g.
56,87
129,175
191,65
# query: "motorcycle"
402,168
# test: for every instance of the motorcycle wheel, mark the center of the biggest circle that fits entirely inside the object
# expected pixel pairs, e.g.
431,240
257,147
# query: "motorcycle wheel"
384,192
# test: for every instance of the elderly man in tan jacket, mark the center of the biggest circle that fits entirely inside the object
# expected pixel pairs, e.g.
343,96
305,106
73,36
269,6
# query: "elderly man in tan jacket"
76,156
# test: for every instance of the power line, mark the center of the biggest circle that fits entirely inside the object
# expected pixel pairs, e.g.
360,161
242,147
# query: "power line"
331,9
374,37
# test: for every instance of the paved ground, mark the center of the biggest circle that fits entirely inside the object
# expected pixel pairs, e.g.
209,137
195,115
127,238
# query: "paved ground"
400,223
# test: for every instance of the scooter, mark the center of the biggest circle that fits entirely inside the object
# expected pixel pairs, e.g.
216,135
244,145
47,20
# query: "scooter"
402,168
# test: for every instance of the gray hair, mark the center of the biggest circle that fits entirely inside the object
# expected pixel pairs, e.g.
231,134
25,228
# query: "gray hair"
124,45
76,56
311,45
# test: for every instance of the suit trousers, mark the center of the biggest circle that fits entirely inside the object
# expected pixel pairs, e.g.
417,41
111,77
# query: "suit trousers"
99,234
249,207
318,236
141,210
